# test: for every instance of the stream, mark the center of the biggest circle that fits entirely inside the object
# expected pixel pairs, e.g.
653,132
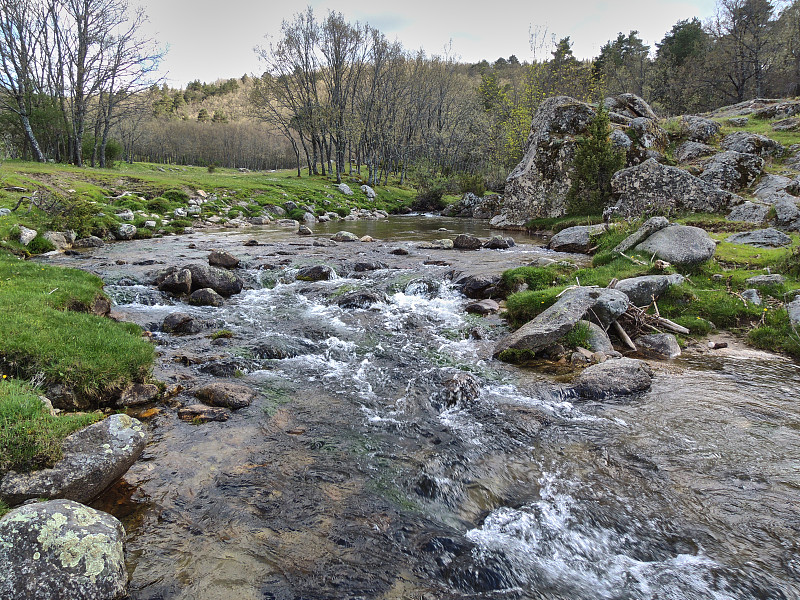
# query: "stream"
353,476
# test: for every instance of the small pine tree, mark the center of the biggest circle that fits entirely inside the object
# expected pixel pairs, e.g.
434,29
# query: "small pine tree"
596,161
202,116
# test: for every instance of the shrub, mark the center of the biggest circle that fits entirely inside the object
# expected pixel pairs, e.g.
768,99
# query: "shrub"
342,211
175,195
296,214
40,245
472,183
160,205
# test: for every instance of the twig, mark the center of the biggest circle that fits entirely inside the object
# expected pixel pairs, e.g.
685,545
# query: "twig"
633,260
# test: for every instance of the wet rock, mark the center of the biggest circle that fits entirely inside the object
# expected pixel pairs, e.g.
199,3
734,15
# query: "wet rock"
750,212
680,245
752,296
597,340
180,323
575,239
399,252
226,395
62,549
652,187
641,290
793,308
344,236
752,143
619,377
649,227
478,287
278,348
126,231
443,244
360,299
259,220
765,280
662,345
251,243
200,413
498,242
304,230
94,458
223,259
221,368
425,287
458,389
483,307
316,273
138,394
762,238
689,151
732,170
89,242
221,281
467,242
206,297
699,129
177,282
374,265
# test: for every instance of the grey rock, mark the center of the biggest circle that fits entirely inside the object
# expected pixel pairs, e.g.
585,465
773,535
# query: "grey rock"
732,170
631,106
277,211
200,413
344,236
779,110
791,124
279,348
575,239
762,238
425,287
137,394
793,308
368,192
180,323
749,212
765,280
260,220
662,345
94,458
62,550
88,242
206,297
641,290
222,281
598,340
752,296
226,395
309,219
345,189
772,185
4,212
222,259
303,230
610,304
738,121
125,215
751,143
680,245
59,240
649,133
316,273
126,231
483,307
360,299
689,151
26,235
177,282
786,212
699,129
478,287
498,242
620,141
649,227
179,213
619,377
149,224
467,242
443,244
652,187
372,265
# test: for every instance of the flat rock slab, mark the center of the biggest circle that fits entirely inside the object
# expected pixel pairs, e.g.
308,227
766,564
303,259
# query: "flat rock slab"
617,377
483,307
61,549
94,458
762,238
200,413
763,280
680,245
750,212
226,395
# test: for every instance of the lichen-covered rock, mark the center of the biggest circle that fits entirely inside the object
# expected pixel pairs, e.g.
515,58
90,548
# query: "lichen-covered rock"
443,244
575,239
689,151
750,212
620,140
58,239
766,280
699,129
344,236
752,296
662,345
732,170
680,245
762,238
60,550
791,124
787,212
88,242
226,395
137,394
630,105
316,273
641,290
649,134
779,110
126,231
649,227
597,339
772,185
345,189
751,143
94,458
26,235
619,377
223,259
368,192
793,308
652,187
221,281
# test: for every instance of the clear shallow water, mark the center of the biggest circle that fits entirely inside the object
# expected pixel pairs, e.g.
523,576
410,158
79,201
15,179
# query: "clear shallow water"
348,477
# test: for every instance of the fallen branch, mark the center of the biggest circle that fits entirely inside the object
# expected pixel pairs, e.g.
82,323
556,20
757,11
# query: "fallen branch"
623,336
634,260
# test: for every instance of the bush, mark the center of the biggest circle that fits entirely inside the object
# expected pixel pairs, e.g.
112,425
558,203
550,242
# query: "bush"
40,245
177,196
342,211
160,205
472,183
296,214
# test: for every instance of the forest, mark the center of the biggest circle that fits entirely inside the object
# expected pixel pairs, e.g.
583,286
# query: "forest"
79,84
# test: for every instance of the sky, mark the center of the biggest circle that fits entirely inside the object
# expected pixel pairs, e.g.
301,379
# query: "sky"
210,40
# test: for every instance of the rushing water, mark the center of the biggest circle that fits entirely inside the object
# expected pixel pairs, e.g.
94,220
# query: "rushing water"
351,477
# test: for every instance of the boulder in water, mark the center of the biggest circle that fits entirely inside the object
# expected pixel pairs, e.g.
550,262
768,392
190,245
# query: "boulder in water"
616,377
316,273
226,395
221,281
223,259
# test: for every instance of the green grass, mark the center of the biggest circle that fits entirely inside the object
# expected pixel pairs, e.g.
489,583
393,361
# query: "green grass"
30,438
776,334
47,330
763,127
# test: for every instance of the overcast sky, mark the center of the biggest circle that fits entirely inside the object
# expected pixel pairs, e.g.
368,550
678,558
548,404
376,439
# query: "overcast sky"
209,40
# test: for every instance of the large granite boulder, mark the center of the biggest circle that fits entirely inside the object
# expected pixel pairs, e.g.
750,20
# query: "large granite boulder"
176,282
222,281
94,458
575,239
680,245
732,170
559,319
699,129
641,290
616,377
649,134
750,212
630,105
465,241
771,186
751,143
689,151
538,185
61,550
762,238
787,213
181,323
655,188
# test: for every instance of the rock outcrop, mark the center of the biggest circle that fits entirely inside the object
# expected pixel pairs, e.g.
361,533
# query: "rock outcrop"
732,171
